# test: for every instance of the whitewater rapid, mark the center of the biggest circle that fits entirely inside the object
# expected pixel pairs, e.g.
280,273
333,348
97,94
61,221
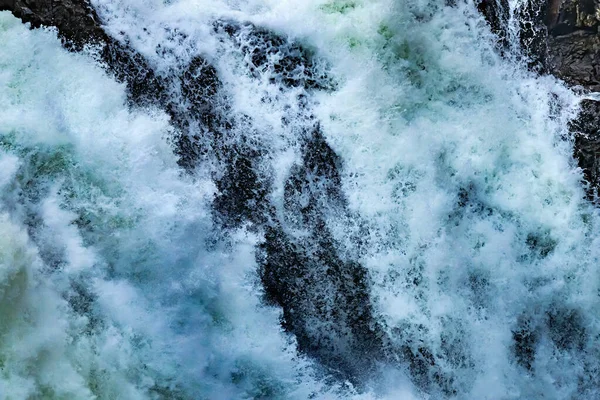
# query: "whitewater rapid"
455,192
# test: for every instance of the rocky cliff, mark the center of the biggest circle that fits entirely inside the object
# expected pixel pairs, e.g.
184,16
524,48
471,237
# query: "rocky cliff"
561,37
573,54
574,42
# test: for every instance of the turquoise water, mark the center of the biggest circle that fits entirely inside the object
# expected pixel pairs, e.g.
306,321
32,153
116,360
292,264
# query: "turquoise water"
115,282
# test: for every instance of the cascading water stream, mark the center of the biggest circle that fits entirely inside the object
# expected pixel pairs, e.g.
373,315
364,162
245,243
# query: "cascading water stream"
327,199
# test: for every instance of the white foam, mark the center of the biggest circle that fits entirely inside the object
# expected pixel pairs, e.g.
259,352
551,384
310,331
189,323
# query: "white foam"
120,234
424,108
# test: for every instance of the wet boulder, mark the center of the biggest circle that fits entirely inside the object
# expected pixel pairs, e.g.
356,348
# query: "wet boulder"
285,61
586,129
76,20
496,15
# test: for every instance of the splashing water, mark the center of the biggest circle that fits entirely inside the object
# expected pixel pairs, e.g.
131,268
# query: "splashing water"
393,129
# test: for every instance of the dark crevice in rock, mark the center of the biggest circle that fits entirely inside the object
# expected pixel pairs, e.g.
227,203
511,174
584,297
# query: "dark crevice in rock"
552,13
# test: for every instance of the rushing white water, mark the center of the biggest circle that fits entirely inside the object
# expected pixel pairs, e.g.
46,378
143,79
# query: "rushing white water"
480,249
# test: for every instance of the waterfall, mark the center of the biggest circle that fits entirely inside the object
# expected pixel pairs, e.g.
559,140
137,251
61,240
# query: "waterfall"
319,199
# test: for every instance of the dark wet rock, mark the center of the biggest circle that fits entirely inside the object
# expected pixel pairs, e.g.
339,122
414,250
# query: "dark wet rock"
533,33
284,61
243,190
564,17
540,244
197,107
496,14
564,327
561,37
573,41
567,329
143,85
316,184
428,368
325,301
83,302
586,129
78,25
525,340
325,298
469,202
191,95
532,29
75,20
421,363
575,58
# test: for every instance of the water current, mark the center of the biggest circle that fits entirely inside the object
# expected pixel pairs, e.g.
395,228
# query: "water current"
342,199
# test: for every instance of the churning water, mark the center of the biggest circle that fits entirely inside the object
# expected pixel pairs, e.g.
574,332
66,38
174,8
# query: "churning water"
412,223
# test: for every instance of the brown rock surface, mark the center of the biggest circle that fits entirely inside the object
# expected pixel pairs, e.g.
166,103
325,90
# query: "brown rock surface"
575,58
76,21
574,42
573,54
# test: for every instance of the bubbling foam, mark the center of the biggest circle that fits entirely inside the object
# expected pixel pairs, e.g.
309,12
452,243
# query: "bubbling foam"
457,194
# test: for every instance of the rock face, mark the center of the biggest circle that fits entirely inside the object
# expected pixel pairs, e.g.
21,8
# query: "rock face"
76,20
496,14
587,144
574,42
574,58
573,54
562,38
559,36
